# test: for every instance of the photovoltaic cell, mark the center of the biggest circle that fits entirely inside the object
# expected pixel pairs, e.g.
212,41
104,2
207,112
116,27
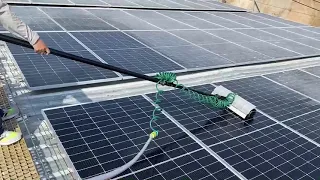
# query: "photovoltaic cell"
187,19
52,1
264,20
247,22
232,36
158,38
313,70
235,53
307,125
159,20
41,71
269,49
121,3
198,37
91,2
142,60
300,81
77,19
148,3
122,20
272,153
296,47
99,137
172,4
260,34
35,19
216,20
210,125
107,40
192,56
273,99
193,166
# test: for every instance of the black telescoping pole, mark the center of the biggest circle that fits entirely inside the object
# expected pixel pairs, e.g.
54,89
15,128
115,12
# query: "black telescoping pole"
23,43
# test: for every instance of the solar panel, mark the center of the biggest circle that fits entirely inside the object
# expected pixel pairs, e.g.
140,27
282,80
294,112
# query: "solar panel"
193,57
300,81
199,37
307,125
148,3
35,19
43,72
314,70
159,20
187,19
158,38
236,53
208,124
234,18
91,2
52,1
272,98
216,20
99,137
77,19
121,3
122,20
272,153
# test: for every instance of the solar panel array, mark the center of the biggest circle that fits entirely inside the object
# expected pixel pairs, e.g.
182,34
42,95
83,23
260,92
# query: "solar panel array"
166,4
280,142
154,41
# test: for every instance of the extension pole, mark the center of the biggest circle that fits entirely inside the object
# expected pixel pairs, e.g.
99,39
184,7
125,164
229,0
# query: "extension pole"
23,43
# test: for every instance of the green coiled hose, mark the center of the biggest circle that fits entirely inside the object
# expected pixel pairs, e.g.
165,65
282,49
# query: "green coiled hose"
168,77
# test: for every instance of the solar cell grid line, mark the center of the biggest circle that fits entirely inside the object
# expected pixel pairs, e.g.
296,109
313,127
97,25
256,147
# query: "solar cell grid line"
74,123
196,58
272,153
34,18
184,18
118,3
307,125
244,21
293,44
172,4
76,19
206,123
267,46
121,20
265,20
149,3
277,19
158,20
247,53
315,70
91,2
68,2
42,72
191,42
276,100
191,4
300,81
198,165
199,142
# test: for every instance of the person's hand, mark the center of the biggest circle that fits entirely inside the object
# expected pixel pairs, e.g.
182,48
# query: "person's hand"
41,48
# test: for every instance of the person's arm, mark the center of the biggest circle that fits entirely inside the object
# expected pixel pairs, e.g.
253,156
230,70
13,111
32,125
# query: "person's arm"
18,28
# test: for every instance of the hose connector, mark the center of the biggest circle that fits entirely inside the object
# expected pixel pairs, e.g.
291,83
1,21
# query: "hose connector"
154,134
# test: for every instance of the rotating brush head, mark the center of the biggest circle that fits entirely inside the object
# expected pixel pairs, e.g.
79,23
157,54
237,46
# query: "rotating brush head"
240,106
